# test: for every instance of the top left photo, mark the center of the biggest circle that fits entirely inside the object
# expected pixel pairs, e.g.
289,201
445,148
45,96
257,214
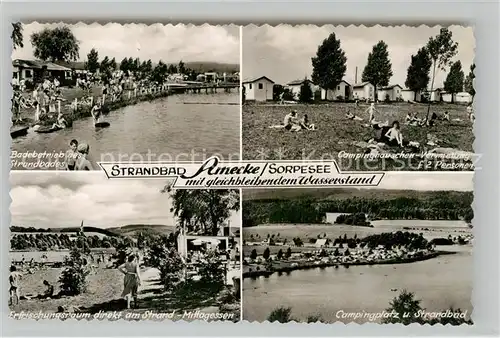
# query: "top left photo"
84,94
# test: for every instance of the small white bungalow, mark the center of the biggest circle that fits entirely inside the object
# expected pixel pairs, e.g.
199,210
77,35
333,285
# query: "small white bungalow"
391,93
410,95
295,85
461,97
258,89
435,95
343,91
363,91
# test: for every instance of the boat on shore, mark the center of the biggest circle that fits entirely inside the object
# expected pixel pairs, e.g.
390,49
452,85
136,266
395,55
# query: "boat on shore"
16,131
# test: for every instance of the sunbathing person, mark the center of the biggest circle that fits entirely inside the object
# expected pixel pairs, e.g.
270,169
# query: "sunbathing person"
289,122
353,117
305,125
393,136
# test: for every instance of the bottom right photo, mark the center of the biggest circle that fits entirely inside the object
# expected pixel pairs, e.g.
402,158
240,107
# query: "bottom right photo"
397,253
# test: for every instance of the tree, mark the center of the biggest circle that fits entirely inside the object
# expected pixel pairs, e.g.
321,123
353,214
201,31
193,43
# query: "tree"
280,315
112,64
378,69
279,255
58,44
454,82
266,254
124,65
288,253
92,64
17,35
469,82
306,93
73,278
329,64
253,254
406,307
204,211
181,68
417,77
441,50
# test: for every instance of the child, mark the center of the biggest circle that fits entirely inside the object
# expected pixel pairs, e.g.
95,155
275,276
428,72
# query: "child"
71,155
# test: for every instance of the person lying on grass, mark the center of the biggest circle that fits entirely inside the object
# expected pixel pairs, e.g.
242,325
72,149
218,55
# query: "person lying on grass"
351,116
289,121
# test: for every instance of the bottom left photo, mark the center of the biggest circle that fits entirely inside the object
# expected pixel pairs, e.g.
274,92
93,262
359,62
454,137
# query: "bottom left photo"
83,246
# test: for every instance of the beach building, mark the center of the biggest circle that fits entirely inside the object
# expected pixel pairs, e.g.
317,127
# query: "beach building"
363,91
34,71
343,91
258,89
410,95
295,85
390,93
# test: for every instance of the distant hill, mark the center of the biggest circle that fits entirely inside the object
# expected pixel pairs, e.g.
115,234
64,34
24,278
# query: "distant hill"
202,67
335,194
126,230
132,229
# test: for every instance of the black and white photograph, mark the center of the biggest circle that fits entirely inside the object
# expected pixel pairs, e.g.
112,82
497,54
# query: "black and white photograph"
86,93
371,98
397,253
82,246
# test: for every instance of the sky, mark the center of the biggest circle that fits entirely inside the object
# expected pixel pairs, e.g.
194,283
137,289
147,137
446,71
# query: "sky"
284,53
168,43
56,200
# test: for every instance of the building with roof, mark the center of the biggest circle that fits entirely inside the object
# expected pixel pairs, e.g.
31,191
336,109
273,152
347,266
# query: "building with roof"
258,89
343,91
294,87
390,93
363,91
35,71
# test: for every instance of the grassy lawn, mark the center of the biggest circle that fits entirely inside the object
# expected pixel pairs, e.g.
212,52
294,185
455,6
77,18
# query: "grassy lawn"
104,292
336,133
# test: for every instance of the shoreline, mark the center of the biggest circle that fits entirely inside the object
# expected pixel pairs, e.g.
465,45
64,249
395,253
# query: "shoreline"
83,112
307,265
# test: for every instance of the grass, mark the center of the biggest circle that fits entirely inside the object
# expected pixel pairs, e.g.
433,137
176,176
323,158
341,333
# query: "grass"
336,133
104,291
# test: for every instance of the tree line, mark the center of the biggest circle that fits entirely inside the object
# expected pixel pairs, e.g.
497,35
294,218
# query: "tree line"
330,65
438,206
51,241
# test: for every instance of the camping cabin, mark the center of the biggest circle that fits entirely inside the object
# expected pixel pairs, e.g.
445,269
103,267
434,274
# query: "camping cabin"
343,91
295,85
258,89
390,93
363,91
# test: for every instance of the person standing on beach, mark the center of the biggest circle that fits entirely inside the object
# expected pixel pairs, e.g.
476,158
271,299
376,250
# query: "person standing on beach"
14,281
131,280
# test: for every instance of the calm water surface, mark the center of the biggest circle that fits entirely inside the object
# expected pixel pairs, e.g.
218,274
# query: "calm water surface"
175,127
440,283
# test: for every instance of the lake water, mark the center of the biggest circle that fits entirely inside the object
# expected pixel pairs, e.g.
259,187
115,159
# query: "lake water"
166,129
439,283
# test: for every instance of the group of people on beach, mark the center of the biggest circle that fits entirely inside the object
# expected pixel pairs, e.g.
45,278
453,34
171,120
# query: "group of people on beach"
131,282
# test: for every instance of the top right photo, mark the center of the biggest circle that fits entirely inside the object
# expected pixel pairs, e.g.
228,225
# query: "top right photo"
370,98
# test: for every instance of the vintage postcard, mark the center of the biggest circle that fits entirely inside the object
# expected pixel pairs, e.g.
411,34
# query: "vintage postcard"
89,93
371,98
85,247
397,253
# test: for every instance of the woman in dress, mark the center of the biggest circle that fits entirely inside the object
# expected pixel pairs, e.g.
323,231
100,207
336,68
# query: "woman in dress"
132,279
